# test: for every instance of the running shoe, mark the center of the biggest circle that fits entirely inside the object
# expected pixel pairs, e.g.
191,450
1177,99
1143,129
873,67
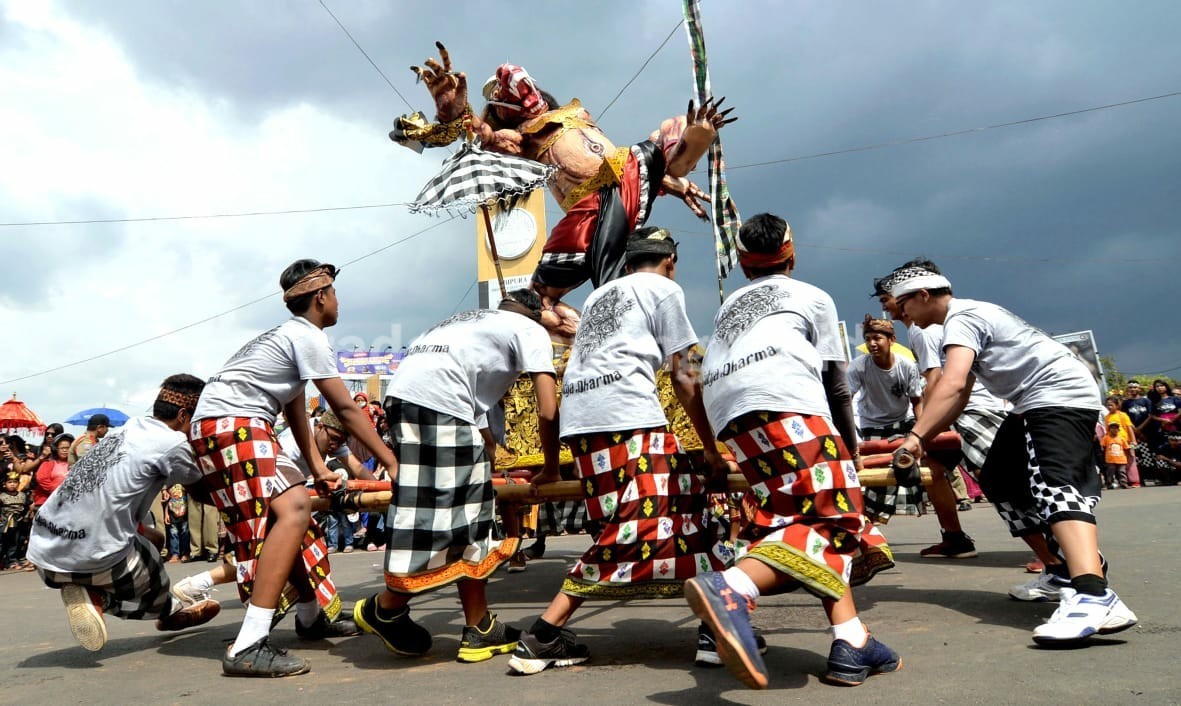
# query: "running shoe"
707,647
400,634
851,666
477,645
262,660
1080,616
84,609
1046,587
532,656
187,594
728,616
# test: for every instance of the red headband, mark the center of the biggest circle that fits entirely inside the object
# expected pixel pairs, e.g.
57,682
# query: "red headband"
762,260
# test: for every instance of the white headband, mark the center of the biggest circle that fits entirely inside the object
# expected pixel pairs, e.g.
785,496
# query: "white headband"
919,280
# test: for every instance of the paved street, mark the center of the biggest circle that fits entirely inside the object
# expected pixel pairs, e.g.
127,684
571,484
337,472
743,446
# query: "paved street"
962,640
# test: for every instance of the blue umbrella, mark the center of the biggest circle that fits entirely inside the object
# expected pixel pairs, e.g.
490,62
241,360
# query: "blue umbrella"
80,419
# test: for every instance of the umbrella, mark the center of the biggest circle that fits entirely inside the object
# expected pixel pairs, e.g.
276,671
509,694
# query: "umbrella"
15,415
474,179
80,419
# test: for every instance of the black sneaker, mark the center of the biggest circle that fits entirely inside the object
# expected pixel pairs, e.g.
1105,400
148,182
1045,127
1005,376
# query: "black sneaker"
262,660
323,628
955,545
400,634
707,647
850,666
476,646
532,656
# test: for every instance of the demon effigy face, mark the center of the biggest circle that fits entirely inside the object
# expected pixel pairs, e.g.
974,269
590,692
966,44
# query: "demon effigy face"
513,90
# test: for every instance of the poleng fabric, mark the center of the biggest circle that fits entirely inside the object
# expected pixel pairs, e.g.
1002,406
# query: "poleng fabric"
808,522
1040,469
977,429
643,489
440,518
884,502
135,588
590,240
239,458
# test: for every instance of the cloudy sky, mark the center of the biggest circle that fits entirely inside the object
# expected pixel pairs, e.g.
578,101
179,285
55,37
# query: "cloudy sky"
137,109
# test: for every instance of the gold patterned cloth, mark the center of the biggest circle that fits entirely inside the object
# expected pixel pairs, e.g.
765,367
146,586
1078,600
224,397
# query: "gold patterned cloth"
642,488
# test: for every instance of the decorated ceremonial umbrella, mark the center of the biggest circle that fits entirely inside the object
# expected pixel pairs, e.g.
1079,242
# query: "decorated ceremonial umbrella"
15,415
473,179
80,419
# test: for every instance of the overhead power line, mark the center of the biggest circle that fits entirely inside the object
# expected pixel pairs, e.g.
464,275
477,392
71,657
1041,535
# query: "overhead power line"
785,160
647,61
365,54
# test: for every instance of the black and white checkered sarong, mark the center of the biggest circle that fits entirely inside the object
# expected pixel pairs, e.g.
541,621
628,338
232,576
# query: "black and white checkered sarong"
136,588
977,429
440,518
882,503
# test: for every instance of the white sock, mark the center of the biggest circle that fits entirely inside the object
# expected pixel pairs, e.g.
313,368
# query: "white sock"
202,581
851,631
739,581
306,613
255,626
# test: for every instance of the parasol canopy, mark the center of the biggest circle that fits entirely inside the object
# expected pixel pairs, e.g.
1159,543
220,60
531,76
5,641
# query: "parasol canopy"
80,419
472,177
14,414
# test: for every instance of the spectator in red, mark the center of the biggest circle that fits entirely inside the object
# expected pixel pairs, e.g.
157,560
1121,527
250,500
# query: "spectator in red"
52,471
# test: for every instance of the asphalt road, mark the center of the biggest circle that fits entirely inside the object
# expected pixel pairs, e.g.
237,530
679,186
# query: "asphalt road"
963,641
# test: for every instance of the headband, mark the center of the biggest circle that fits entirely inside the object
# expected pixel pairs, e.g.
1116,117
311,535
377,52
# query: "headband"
912,279
761,260
180,399
317,279
872,325
658,242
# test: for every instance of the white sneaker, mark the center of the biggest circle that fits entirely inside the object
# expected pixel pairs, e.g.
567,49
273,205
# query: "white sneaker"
1043,588
1079,616
188,594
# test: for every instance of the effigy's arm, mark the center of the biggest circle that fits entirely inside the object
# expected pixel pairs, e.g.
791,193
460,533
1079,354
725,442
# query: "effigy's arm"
701,129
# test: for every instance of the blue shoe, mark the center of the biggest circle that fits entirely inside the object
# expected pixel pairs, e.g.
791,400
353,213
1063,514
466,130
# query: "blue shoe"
849,665
725,612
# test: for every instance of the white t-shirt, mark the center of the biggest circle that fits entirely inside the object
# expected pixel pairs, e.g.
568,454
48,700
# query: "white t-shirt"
87,524
464,365
268,372
629,327
1016,361
885,394
771,340
291,450
927,351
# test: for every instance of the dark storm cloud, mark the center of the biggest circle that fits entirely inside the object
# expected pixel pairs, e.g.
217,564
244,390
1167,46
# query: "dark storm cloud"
1090,192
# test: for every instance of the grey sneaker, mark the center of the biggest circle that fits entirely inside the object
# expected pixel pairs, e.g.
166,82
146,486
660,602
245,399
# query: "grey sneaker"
262,660
532,656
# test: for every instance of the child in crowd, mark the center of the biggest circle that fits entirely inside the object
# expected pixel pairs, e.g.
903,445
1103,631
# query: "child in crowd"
176,520
14,507
1115,455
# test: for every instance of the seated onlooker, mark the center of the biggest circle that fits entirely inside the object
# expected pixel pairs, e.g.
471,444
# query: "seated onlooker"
1168,457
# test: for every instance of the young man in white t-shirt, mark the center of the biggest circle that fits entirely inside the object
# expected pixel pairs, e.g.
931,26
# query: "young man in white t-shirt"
775,392
1039,470
440,517
84,539
639,484
260,493
890,388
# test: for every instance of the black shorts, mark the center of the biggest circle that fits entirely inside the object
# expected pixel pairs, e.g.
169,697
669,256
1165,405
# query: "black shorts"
1040,470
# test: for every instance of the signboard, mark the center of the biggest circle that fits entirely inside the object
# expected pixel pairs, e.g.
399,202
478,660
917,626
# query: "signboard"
368,362
1082,345
520,235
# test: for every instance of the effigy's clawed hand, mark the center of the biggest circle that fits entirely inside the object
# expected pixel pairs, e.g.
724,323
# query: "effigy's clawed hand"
448,88
709,115
688,192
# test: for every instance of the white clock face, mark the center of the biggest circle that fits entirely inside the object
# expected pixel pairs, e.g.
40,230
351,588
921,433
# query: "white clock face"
515,233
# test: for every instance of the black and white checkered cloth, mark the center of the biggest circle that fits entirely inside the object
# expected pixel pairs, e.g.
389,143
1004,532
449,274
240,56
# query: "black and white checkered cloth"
977,429
443,501
136,588
884,502
472,177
